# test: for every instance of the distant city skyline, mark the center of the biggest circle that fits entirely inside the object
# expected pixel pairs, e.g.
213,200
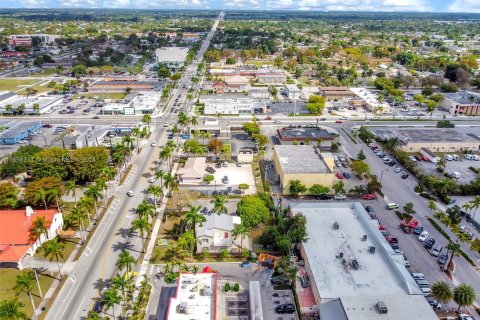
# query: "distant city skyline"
469,6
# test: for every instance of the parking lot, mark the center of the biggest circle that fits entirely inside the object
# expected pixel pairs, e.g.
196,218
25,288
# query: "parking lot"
70,107
461,166
286,108
236,176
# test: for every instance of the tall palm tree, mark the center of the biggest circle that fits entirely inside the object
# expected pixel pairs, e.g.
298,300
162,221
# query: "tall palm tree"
136,133
170,182
219,205
125,260
102,186
194,120
145,210
166,154
464,295
159,175
39,227
475,205
441,164
54,249
193,217
40,195
128,142
240,230
10,310
93,193
88,205
71,188
79,214
454,248
122,283
187,242
442,292
143,227
147,118
110,299
24,283
156,192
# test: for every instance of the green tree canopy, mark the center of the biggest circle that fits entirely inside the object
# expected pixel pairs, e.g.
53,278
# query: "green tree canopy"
18,161
316,104
253,211
296,187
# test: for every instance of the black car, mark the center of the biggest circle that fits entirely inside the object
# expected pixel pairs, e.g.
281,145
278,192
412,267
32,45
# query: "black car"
210,170
429,243
170,136
324,197
404,176
345,165
279,280
98,307
442,258
418,230
392,163
218,165
285,308
204,210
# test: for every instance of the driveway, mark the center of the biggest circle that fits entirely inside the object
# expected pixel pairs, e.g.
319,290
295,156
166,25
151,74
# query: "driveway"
236,175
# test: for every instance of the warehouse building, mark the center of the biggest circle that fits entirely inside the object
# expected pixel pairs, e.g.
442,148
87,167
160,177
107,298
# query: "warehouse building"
117,85
305,135
17,131
461,103
372,103
142,103
336,93
231,104
354,273
312,167
173,57
435,140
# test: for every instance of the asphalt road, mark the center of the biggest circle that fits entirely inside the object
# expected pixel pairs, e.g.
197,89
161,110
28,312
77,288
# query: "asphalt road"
97,264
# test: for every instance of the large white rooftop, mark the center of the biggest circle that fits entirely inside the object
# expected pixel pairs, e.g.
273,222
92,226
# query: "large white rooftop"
195,297
381,276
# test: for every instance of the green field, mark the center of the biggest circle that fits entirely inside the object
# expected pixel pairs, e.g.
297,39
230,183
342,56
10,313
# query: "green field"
12,84
259,63
102,96
40,89
7,282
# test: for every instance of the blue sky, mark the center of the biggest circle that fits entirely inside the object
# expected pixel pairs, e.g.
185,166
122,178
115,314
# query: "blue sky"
330,5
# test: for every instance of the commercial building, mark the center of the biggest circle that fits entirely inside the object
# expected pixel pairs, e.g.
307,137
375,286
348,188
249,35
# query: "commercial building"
435,140
336,93
292,91
195,298
215,234
304,163
353,271
192,172
19,130
173,57
371,101
314,135
236,82
210,126
142,103
15,238
271,78
231,104
121,85
25,40
32,105
461,103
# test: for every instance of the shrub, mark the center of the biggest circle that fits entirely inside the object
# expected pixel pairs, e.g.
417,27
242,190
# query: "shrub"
236,287
226,287
418,189
476,170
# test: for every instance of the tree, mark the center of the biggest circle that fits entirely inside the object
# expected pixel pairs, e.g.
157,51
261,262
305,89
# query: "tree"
122,283
187,242
125,260
316,104
408,208
110,298
215,145
253,211
432,205
24,283
454,248
442,292
32,196
441,164
93,193
156,192
455,214
8,195
360,168
219,205
143,227
251,128
319,189
79,215
464,296
41,195
93,315
339,187
71,187
241,230
10,310
475,205
296,187
373,184
163,72
361,156
261,140
147,119
54,249
145,210
193,217
38,228
181,199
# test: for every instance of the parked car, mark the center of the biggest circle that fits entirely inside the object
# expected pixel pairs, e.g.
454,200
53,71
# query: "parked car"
434,303
397,169
412,158
436,251
339,175
442,258
152,179
153,144
341,158
423,236
339,121
47,125
130,193
225,180
418,230
391,206
285,308
370,209
405,176
210,170
218,165
417,276
340,197
369,196
344,164
463,316
346,175
429,243
324,197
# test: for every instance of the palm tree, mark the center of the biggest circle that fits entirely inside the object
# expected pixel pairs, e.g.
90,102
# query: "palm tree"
159,175
110,299
145,210
143,226
170,182
240,230
128,142
454,247
136,133
79,215
441,164
122,283
147,118
187,242
193,217
10,310
36,108
24,283
102,186
39,227
54,249
156,192
194,120
432,205
194,269
464,295
93,193
125,260
87,204
165,154
219,205
40,195
442,292
475,205
93,315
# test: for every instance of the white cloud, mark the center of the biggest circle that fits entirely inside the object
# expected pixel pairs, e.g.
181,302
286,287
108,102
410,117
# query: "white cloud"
362,5
79,3
34,4
464,6
242,4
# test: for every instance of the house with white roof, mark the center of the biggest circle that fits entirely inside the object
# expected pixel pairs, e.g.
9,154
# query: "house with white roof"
215,234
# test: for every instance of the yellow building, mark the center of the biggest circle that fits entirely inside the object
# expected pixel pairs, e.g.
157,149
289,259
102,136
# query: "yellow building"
304,163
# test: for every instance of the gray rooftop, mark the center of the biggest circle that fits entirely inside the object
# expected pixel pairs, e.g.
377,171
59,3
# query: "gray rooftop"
425,135
463,97
17,128
300,159
312,133
5,95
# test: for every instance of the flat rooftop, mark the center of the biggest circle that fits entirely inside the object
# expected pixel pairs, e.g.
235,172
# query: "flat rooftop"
195,297
311,133
300,159
18,128
431,135
463,97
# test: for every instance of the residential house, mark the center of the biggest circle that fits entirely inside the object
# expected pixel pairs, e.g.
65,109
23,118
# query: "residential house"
215,234
192,172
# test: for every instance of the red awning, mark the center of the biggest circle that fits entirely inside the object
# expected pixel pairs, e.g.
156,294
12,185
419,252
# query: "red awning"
207,269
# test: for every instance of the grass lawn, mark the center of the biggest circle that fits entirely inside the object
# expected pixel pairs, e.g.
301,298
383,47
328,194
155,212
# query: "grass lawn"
199,109
257,175
7,282
259,63
101,95
228,150
12,84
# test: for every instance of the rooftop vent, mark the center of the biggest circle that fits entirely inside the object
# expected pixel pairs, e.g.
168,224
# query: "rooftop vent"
355,264
364,238
381,307
371,249
336,226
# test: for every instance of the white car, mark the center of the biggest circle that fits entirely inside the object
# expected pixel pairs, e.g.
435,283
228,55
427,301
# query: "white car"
423,236
340,197
153,144
152,179
130,193
397,169
464,316
412,158
398,251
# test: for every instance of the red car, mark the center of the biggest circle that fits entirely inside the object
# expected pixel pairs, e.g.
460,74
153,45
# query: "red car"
369,196
47,125
339,121
339,175
268,118
424,158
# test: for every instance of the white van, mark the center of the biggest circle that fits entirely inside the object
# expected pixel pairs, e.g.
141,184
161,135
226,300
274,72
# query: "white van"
468,156
476,157
391,206
455,175
448,157
455,157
